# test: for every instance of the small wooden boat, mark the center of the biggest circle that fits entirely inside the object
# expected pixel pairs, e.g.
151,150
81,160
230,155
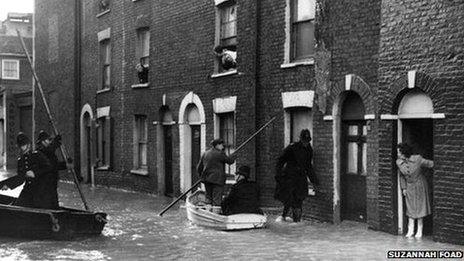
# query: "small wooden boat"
199,213
61,224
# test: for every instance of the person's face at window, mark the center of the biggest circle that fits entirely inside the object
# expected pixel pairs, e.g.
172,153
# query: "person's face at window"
220,146
400,155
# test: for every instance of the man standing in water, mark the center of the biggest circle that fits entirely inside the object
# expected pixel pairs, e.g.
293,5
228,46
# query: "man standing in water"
294,166
211,167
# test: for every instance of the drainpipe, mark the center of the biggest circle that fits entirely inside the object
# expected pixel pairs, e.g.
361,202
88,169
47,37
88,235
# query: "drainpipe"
77,82
257,82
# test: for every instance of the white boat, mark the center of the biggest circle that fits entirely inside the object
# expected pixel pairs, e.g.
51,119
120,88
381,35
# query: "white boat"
200,214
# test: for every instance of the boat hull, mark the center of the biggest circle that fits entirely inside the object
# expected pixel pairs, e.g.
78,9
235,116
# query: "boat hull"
60,224
199,215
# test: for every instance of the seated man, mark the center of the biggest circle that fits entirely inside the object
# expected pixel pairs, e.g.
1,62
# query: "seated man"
243,196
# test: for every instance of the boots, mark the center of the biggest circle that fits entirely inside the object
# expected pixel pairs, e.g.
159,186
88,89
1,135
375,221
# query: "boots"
410,227
297,212
420,226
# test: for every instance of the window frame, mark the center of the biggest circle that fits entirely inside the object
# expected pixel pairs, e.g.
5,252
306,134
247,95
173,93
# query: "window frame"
140,121
140,50
293,23
18,73
103,142
105,63
361,140
228,148
220,10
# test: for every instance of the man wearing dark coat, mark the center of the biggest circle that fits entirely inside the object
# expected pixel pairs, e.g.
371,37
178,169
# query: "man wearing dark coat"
243,196
294,167
33,167
48,185
211,169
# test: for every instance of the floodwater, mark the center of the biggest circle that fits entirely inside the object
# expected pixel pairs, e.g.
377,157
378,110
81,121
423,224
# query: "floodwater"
136,232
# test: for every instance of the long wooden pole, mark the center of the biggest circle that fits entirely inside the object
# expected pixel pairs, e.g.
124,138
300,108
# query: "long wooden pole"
237,150
63,150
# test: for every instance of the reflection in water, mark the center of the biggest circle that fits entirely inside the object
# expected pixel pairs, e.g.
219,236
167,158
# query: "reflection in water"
136,232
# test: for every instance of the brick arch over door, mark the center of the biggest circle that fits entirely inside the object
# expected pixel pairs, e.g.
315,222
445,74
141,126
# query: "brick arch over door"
420,80
354,83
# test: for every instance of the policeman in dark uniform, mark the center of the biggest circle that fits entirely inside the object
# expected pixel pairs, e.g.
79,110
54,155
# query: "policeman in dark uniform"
32,167
294,167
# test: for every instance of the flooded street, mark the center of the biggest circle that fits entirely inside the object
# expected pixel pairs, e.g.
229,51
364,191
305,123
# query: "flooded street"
136,232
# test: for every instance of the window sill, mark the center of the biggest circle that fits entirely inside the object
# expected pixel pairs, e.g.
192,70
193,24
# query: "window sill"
140,85
103,167
103,91
10,79
230,72
297,63
135,0
103,13
141,172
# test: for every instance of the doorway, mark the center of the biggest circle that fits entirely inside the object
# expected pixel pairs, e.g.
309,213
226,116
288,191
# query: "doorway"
196,151
418,133
168,184
86,145
353,159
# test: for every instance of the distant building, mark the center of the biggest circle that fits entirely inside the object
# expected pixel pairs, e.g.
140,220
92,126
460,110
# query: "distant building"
362,75
15,86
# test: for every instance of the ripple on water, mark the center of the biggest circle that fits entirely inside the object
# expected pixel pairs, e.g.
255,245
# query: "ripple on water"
72,254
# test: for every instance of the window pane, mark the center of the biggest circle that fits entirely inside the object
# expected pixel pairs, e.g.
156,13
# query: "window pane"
352,157
353,130
306,9
364,130
10,69
300,119
142,155
106,76
364,158
228,26
304,39
107,53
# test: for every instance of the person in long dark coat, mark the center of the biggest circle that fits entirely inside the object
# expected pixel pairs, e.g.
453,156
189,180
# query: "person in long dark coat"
211,169
48,185
294,167
33,166
243,196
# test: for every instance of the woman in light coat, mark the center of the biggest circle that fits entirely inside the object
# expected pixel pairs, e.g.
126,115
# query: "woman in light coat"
414,187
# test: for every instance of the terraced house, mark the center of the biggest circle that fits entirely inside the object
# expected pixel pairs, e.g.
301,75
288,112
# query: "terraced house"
142,92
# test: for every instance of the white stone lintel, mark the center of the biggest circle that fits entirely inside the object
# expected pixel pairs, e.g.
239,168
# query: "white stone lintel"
104,34
328,117
411,79
103,112
369,117
388,117
298,99
348,80
226,104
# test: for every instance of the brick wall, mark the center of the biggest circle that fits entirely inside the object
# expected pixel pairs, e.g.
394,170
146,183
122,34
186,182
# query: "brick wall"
427,37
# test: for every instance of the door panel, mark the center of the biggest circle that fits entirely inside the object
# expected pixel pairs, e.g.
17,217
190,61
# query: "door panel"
196,150
167,131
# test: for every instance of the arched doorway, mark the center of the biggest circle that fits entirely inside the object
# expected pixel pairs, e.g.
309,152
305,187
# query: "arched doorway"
192,130
353,161
167,122
86,145
415,127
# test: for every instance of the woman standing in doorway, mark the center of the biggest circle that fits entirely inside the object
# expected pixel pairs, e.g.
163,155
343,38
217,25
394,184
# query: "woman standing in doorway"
414,187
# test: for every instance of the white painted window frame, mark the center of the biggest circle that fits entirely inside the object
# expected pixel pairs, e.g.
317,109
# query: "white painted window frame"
17,71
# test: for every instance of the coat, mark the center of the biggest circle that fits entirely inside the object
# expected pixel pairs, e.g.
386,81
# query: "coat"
49,184
412,180
293,168
243,198
211,167
32,194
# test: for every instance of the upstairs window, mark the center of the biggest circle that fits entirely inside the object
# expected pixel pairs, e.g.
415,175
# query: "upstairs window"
10,69
226,44
103,5
143,54
302,42
105,60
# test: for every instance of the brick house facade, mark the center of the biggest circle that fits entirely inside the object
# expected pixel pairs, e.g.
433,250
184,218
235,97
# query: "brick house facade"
353,91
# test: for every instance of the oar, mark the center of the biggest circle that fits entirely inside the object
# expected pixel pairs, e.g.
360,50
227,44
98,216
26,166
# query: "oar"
238,149
64,153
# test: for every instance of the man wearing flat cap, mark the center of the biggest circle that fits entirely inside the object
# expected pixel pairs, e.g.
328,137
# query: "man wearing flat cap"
243,196
49,185
211,169
294,167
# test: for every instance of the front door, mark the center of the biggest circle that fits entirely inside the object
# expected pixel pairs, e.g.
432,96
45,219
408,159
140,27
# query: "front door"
196,151
168,184
353,167
88,155
418,133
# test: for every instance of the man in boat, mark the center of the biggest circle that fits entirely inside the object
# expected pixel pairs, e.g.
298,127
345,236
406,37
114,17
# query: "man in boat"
211,167
243,196
294,167
49,184
33,166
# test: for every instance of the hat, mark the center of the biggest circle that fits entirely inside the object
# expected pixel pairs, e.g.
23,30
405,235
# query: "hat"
305,135
22,139
43,135
216,142
244,171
